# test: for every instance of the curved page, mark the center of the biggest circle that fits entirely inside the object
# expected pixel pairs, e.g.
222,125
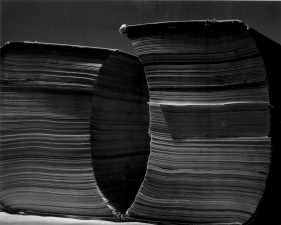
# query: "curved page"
119,130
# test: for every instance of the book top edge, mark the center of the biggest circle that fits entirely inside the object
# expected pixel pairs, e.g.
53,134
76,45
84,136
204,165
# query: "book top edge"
180,25
62,48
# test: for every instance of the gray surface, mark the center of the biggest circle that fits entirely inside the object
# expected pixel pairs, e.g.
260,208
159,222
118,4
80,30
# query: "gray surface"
96,23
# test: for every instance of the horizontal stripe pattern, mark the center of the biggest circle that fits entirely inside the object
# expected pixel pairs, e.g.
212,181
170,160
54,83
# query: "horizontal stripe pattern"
46,99
209,122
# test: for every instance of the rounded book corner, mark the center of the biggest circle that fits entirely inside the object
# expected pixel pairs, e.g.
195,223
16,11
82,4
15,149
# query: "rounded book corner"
122,29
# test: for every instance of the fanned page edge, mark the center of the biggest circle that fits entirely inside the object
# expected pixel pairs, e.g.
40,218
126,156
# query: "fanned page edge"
132,31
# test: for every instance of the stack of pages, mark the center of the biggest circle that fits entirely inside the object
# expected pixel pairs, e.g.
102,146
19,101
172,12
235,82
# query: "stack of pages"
46,102
188,133
209,122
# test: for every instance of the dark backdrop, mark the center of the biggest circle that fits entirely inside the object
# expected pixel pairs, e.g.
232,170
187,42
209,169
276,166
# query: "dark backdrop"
96,23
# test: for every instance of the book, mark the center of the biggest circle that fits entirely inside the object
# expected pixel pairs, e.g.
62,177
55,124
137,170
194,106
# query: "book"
64,111
212,108
188,132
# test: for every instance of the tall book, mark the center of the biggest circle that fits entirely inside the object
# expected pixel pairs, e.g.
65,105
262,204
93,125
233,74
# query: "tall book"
214,121
66,110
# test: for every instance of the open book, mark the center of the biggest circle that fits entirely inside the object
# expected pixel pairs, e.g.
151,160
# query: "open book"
187,132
